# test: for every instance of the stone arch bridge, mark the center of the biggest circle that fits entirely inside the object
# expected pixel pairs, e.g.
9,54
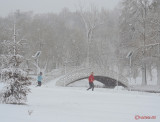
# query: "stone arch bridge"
109,78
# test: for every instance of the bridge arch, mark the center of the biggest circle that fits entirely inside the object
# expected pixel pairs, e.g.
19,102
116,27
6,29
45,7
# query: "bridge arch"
109,78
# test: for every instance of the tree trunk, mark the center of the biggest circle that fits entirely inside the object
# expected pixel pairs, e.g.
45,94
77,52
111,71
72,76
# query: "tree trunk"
158,73
144,80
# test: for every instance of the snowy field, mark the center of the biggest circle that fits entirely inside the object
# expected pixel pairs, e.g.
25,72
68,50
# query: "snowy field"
73,104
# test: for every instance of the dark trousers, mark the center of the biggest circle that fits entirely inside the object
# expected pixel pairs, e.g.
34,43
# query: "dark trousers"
39,83
91,86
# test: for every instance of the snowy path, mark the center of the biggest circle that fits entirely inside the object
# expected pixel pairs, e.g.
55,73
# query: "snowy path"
58,104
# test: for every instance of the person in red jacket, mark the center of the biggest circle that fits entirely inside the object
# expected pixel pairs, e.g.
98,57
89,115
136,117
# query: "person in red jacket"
91,84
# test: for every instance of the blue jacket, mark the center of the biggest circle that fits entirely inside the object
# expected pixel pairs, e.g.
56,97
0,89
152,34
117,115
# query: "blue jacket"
39,78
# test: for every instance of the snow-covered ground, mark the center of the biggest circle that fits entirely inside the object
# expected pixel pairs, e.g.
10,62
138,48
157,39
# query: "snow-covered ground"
74,104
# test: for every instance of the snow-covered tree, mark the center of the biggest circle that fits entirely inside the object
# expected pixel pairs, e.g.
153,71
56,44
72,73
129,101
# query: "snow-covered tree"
155,27
137,33
16,79
92,21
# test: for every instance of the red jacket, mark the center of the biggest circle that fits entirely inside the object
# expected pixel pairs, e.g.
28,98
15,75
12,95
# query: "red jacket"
91,78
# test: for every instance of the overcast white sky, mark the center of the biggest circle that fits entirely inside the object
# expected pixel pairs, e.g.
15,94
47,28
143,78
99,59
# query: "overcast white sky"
45,6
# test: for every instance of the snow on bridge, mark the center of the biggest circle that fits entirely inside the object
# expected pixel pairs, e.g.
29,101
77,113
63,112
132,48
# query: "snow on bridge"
107,77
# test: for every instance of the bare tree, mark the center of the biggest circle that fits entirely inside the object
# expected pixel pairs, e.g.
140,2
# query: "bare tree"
92,20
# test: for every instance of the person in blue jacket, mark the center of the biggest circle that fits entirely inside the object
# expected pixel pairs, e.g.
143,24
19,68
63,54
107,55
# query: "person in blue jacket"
39,79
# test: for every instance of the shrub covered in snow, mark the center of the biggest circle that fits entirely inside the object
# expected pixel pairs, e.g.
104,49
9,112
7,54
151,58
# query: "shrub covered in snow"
17,81
12,73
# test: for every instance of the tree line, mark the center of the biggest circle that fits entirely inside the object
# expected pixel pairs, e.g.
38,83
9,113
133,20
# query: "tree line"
125,39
